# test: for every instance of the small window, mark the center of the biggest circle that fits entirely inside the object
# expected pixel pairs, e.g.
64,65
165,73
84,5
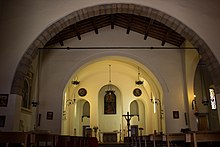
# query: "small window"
212,98
26,102
26,97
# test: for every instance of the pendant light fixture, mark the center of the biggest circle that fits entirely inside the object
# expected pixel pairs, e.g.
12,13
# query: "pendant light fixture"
75,83
139,82
110,89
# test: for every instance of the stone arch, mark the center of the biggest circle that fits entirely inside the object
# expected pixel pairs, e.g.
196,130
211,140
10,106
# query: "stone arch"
129,8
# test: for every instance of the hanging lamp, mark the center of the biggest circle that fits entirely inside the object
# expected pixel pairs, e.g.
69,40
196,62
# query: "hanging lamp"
139,82
110,89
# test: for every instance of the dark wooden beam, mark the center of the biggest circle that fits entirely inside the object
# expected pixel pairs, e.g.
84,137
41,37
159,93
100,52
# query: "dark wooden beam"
77,33
128,30
148,28
94,25
129,24
112,21
165,37
61,43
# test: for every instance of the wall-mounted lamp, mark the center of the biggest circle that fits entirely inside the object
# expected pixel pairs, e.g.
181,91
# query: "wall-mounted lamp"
70,101
155,100
34,103
85,116
194,106
75,83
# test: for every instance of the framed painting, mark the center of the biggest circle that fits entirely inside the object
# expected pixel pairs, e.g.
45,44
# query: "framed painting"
2,120
49,115
3,100
110,103
175,114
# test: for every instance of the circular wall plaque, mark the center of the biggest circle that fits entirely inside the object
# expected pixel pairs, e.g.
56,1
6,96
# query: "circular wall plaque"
82,92
137,92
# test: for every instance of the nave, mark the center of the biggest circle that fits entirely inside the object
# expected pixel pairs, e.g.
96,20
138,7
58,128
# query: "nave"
44,139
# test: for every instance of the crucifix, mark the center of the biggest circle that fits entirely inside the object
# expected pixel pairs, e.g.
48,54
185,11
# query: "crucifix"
128,118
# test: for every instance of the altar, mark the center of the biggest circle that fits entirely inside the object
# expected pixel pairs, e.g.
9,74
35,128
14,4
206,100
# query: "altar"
109,137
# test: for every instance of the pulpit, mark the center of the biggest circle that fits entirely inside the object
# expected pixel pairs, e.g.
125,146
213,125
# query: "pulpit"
109,137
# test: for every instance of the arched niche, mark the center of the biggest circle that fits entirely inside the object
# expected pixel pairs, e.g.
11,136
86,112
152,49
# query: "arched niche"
77,117
82,116
137,108
115,118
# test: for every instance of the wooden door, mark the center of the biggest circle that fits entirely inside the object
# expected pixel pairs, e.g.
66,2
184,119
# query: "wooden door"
203,122
134,130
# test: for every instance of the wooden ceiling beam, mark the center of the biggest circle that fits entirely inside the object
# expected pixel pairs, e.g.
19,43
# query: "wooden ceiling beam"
165,37
95,25
143,25
76,30
129,24
148,28
112,21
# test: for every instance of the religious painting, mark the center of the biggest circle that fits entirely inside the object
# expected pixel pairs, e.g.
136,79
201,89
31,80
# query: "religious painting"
110,103
2,120
3,100
175,114
50,115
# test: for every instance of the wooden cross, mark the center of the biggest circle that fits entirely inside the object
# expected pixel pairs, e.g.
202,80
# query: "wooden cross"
128,118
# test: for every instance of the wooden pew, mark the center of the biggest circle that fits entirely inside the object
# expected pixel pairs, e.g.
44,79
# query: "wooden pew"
158,139
61,140
23,138
44,140
146,140
203,137
175,138
75,141
28,139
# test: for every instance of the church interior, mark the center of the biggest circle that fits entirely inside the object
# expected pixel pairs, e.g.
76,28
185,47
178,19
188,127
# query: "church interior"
107,74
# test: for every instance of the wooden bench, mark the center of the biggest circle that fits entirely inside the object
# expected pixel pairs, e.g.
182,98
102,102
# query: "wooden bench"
23,138
203,137
28,139
61,140
175,138
146,140
193,138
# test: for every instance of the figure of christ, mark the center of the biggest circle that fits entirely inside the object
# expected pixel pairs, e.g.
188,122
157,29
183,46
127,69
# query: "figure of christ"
128,118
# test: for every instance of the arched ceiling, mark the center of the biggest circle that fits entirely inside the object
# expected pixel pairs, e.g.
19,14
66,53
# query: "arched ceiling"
143,25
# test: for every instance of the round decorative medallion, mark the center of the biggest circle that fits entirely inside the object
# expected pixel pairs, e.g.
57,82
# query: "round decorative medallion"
82,92
137,92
